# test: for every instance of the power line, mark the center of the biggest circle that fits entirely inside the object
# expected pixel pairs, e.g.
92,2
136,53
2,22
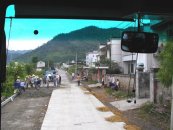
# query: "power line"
9,35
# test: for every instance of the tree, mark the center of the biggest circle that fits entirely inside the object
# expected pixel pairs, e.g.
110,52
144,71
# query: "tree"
14,69
165,73
34,59
114,68
29,69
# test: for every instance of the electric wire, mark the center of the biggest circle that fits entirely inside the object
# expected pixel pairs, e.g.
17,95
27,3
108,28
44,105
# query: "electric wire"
9,35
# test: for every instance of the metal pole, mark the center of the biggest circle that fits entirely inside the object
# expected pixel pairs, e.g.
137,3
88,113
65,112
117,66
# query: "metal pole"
76,62
139,17
98,74
171,127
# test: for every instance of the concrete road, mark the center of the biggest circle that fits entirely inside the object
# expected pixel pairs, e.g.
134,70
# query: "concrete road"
70,108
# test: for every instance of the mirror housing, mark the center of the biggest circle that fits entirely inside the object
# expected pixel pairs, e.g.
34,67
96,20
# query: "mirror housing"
139,42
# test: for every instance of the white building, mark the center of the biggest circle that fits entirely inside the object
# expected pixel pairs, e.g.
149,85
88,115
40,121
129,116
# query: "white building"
148,60
92,58
112,50
40,65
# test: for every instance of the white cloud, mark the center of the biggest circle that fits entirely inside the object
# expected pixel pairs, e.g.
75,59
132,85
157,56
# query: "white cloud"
25,44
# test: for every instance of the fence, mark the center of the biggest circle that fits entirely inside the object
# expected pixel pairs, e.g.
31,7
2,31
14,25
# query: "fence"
161,93
124,80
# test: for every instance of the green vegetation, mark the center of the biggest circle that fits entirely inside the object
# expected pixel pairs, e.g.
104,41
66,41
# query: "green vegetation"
152,112
71,69
165,73
120,94
11,55
114,68
63,47
15,69
91,82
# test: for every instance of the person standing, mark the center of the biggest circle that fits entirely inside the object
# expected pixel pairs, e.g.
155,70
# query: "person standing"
47,81
44,80
22,85
32,80
59,79
17,84
103,83
27,81
118,84
54,80
78,79
72,76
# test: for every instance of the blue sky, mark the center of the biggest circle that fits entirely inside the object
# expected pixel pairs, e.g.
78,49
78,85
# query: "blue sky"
23,38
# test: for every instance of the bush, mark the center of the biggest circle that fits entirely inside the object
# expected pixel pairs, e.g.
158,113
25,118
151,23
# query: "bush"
7,88
118,94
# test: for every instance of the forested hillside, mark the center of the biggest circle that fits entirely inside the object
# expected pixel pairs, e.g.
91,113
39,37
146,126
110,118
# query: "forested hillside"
64,47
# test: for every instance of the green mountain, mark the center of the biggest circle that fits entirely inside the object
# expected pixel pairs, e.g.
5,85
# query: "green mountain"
64,47
12,54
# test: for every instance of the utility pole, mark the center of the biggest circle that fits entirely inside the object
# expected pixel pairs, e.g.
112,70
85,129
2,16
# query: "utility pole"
48,64
76,62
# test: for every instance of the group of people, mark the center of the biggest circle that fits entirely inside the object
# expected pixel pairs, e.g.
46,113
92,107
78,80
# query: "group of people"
29,81
56,78
114,83
33,81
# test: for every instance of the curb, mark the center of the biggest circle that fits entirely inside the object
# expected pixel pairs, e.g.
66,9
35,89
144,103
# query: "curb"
9,99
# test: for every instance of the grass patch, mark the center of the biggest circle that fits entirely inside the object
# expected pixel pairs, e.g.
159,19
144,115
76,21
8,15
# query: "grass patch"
91,82
103,109
87,93
159,115
115,118
117,94
83,88
131,127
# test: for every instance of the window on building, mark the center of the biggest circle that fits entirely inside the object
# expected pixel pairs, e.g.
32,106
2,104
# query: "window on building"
130,68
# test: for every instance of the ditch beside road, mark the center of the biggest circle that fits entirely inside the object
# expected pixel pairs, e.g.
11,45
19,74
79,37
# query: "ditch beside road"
149,117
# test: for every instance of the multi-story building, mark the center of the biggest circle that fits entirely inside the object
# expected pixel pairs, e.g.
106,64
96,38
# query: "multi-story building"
128,61
114,52
92,58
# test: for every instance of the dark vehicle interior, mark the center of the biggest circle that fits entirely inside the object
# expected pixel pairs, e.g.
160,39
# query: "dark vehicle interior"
122,10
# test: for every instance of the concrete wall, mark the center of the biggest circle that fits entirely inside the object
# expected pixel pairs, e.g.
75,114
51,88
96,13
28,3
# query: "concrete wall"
124,80
162,94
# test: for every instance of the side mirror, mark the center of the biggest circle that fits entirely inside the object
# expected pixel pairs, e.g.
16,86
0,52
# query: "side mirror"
139,42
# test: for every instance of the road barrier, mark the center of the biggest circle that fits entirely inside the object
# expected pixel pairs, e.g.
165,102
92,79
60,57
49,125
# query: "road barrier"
9,99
